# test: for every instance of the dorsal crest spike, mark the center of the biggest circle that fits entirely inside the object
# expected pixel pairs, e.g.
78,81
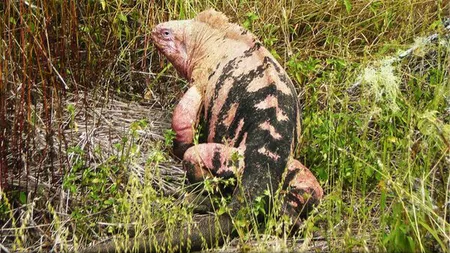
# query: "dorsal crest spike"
213,18
217,20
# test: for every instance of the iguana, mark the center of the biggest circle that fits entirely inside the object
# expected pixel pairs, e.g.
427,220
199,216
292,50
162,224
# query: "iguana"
250,109
248,102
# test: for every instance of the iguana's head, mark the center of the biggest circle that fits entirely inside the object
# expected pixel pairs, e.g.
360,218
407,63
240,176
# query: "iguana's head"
171,40
186,43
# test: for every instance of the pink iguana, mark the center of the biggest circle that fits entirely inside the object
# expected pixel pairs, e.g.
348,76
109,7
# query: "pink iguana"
250,108
248,102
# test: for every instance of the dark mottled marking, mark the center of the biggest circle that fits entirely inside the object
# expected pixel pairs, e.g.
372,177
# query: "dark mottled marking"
274,64
227,72
249,52
247,101
268,170
308,203
216,159
289,177
180,148
217,164
190,171
214,72
232,163
211,75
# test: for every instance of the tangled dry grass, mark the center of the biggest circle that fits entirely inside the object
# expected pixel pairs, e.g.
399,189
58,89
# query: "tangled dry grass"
94,125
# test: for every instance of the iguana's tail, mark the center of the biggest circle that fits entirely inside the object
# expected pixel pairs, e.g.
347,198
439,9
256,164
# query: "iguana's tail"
209,231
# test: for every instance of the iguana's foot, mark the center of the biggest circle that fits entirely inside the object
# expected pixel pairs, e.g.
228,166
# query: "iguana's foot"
303,192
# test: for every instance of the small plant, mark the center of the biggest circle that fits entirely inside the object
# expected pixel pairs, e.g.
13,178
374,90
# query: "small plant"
71,110
169,136
5,207
93,188
251,17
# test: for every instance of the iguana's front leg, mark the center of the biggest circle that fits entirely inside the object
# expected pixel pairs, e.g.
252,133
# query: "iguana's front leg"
185,120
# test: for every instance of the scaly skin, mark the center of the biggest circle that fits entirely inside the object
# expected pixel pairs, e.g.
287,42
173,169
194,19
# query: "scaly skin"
250,108
248,102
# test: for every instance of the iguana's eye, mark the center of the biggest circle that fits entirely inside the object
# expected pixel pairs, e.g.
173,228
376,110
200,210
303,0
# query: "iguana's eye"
165,33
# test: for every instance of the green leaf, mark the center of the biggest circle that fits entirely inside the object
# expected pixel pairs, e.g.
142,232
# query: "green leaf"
223,209
169,136
432,231
436,24
109,201
103,3
12,20
122,17
22,198
348,6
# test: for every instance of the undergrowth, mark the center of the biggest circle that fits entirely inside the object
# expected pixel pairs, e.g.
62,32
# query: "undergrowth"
375,93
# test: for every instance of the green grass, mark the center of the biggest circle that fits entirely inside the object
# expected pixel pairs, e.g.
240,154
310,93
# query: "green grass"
376,127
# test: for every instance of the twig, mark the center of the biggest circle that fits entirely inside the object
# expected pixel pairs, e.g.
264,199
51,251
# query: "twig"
3,248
